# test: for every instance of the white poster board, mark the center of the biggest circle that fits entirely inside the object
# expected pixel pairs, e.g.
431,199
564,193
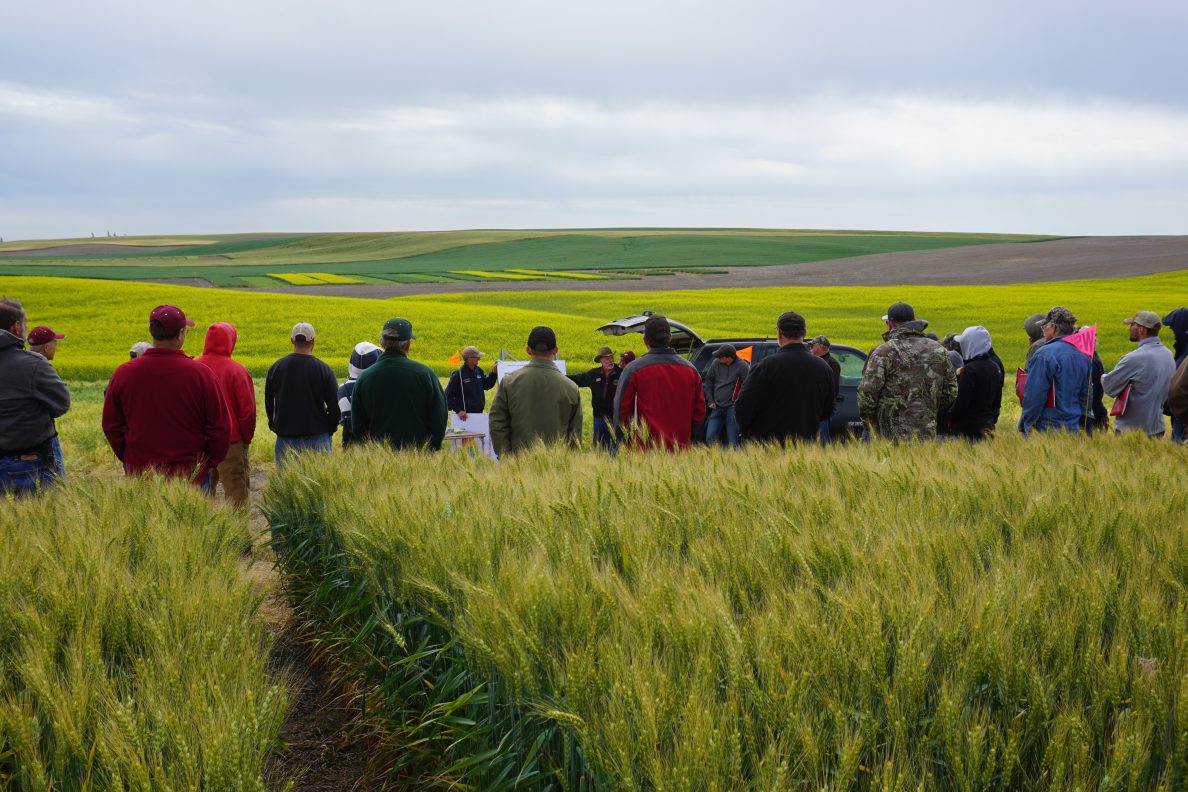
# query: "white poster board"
508,366
475,422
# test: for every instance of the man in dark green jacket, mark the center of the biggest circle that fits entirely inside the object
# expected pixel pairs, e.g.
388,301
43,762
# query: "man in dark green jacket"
399,401
536,403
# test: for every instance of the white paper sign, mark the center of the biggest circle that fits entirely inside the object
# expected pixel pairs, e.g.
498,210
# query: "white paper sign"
508,366
475,422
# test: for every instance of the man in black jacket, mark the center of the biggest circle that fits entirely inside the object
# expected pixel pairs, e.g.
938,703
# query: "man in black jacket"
788,394
32,395
974,413
602,381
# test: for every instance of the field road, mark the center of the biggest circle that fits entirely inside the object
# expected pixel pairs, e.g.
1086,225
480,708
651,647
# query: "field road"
1076,258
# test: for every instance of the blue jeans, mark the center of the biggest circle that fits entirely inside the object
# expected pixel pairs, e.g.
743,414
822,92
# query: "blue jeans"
59,460
604,434
1179,431
25,476
287,446
721,420
824,433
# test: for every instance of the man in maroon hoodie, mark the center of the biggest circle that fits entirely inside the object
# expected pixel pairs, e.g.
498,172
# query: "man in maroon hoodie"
240,395
164,411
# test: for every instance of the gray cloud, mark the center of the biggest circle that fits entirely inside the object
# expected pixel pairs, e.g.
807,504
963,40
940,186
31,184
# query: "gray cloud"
1060,117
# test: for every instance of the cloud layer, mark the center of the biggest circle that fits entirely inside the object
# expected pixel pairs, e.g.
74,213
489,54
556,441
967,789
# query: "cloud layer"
369,116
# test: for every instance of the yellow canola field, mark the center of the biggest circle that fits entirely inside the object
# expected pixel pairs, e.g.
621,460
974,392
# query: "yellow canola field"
102,319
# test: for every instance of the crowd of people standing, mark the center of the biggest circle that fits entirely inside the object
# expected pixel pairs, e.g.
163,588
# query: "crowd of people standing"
196,418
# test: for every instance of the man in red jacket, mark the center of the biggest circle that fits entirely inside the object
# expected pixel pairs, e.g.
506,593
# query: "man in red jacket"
660,392
164,411
240,395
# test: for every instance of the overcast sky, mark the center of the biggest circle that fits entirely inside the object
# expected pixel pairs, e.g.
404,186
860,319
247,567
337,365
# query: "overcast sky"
149,117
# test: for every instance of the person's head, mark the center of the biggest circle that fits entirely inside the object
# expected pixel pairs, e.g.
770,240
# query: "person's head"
167,326
819,345
657,332
606,358
626,357
974,342
542,343
951,342
1034,326
12,317
470,356
303,337
790,328
44,341
397,335
726,354
363,356
1059,322
1144,324
138,349
898,314
221,338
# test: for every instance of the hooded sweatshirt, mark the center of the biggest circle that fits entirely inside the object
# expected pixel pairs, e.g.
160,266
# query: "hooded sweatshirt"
238,389
1177,323
363,357
979,386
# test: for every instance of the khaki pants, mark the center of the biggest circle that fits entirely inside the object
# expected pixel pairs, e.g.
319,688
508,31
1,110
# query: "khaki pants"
235,475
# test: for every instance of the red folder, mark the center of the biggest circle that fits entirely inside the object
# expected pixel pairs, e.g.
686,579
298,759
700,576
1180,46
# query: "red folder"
1121,402
1021,383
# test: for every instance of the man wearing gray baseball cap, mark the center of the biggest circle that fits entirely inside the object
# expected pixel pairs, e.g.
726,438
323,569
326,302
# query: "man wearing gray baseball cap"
301,398
1143,375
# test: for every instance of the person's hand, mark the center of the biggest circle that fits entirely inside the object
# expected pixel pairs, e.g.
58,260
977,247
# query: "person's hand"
462,415
713,405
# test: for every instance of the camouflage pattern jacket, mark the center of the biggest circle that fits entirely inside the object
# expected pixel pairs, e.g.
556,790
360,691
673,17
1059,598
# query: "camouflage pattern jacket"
907,380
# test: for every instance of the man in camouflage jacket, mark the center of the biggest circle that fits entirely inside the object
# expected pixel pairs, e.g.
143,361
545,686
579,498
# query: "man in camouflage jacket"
907,380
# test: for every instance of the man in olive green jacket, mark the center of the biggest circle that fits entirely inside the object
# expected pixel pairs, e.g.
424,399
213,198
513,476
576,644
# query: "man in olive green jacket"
536,403
399,401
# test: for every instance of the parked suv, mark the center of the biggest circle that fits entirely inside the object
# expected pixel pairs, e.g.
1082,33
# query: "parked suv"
701,354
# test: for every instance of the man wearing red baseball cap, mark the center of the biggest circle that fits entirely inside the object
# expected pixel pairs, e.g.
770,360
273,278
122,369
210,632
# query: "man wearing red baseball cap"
164,411
44,341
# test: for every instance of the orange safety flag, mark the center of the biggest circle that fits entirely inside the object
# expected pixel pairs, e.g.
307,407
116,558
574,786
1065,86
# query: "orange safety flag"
455,359
745,353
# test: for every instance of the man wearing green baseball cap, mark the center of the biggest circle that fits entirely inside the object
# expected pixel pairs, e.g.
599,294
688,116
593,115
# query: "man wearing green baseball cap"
398,400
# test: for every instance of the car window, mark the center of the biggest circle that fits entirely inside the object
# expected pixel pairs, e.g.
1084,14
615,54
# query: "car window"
851,366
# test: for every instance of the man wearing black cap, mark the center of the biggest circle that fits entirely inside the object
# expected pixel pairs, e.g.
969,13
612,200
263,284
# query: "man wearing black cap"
32,395
399,401
660,398
907,380
536,404
165,411
603,382
788,394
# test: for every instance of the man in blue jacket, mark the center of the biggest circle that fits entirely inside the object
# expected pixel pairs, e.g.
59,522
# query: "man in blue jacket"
1056,396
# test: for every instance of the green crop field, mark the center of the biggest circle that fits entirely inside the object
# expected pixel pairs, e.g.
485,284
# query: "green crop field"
102,319
243,261
1008,616
132,652
1003,616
